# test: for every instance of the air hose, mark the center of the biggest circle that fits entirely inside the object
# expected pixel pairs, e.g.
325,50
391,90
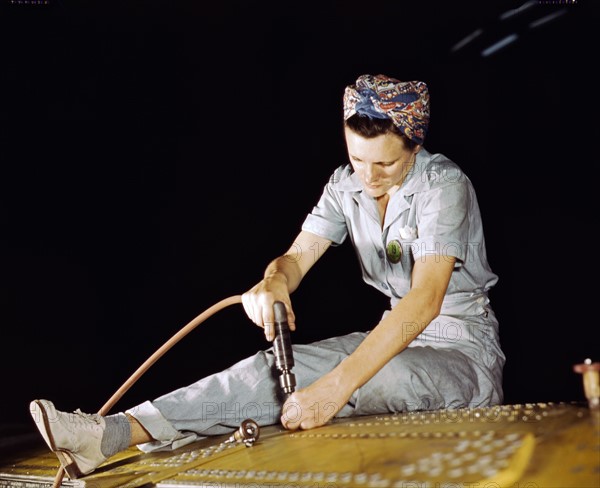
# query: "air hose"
155,357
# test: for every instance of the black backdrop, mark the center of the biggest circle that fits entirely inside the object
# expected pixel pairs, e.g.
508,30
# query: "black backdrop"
156,155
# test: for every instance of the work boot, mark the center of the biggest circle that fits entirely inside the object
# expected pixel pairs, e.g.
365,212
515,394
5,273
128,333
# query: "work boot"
75,437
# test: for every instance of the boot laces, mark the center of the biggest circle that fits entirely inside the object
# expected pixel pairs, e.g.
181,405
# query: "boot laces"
83,418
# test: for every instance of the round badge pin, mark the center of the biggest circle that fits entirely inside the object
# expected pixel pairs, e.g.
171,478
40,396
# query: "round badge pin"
394,251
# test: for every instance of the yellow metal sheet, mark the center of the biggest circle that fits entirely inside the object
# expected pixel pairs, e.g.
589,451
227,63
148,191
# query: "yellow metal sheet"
517,446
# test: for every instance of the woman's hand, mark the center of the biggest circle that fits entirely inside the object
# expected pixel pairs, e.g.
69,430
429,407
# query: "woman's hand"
316,404
258,303
282,276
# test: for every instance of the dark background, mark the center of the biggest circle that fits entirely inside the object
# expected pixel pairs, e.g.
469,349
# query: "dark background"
155,155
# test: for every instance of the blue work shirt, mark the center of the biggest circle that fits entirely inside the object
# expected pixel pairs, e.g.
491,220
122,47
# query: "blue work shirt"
435,211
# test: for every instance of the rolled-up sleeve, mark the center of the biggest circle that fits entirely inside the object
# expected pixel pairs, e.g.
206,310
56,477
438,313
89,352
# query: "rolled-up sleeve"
443,226
327,217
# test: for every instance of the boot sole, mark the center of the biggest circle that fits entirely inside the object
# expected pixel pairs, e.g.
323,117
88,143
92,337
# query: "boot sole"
38,410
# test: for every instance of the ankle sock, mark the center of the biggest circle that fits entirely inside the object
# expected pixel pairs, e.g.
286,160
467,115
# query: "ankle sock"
117,434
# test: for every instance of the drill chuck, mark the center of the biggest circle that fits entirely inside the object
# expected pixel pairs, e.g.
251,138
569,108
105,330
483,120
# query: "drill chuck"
282,347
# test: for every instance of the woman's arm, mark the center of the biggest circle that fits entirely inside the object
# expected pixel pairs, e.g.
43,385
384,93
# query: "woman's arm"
315,405
282,277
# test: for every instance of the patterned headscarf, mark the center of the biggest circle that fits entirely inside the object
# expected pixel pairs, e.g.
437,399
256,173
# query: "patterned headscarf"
381,97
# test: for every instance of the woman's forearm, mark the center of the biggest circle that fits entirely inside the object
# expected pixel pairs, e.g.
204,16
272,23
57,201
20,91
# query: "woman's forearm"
285,270
290,268
390,337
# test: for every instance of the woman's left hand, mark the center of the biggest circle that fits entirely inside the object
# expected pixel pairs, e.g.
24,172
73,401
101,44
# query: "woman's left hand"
316,404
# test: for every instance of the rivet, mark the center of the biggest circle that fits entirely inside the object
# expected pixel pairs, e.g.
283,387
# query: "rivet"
462,446
331,477
489,472
469,456
345,477
483,460
305,476
455,473
360,478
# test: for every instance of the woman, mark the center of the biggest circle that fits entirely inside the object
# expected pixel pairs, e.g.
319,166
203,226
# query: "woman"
415,224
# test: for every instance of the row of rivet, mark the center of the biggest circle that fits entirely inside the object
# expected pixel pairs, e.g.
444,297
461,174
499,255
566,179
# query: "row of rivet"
455,418
382,435
369,479
483,412
421,421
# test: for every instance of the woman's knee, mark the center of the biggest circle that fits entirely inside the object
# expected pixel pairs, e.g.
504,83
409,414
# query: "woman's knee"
419,379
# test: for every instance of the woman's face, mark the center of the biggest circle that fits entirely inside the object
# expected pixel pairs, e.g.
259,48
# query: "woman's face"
381,162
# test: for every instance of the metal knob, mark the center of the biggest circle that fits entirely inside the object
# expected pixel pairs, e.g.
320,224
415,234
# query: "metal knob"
248,433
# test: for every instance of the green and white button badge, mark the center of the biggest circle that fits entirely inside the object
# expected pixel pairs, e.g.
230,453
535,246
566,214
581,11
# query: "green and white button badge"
394,251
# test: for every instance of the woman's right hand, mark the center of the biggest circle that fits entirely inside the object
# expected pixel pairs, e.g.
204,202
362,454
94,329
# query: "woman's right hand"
282,276
258,303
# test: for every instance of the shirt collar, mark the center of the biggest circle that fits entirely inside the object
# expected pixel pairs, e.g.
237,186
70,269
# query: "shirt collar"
413,183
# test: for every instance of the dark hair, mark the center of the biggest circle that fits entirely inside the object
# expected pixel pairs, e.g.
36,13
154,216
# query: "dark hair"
371,127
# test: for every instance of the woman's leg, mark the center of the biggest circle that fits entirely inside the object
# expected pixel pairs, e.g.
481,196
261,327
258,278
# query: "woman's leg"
214,405
218,404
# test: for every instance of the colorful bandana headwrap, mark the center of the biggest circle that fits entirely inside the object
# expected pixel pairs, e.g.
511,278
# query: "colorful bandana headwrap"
381,97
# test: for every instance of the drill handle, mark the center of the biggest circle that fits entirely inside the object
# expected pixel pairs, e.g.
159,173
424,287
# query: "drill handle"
282,343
